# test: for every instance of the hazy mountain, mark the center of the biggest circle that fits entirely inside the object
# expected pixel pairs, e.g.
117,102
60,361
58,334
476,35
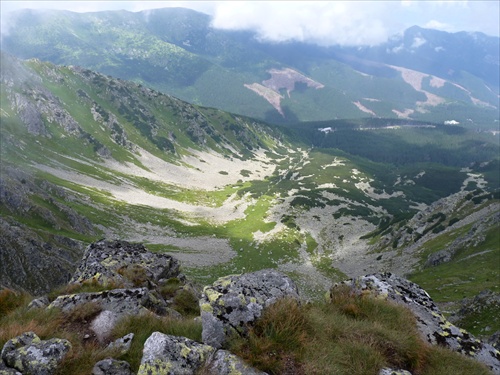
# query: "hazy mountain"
422,74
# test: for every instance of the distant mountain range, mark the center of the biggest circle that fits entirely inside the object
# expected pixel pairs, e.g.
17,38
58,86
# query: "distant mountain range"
421,74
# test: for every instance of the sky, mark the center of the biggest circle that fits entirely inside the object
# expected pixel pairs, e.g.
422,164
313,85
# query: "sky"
319,22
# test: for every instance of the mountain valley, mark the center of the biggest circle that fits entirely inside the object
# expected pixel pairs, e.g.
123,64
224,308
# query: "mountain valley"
235,156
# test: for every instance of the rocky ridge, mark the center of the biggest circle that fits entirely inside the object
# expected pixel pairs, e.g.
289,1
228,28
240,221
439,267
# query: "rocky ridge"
228,307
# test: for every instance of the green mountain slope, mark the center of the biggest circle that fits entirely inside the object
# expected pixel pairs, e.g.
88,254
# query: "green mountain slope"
176,51
86,156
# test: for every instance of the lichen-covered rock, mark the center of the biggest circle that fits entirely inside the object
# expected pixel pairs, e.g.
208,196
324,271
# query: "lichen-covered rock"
173,355
4,370
234,302
123,263
39,303
103,324
120,301
122,344
431,324
226,363
30,355
110,366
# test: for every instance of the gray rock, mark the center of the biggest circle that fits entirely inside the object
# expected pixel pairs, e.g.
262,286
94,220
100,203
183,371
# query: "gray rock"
119,301
122,344
39,303
432,325
32,356
110,366
123,263
234,302
494,340
4,370
226,363
103,324
172,355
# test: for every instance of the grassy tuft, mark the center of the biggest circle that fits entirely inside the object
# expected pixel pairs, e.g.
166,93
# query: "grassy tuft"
11,300
186,303
277,339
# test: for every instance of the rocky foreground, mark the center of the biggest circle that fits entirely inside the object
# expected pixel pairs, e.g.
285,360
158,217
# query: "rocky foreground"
129,278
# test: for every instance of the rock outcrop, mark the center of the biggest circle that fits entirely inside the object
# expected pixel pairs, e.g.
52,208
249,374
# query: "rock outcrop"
132,266
126,264
233,303
432,325
29,355
229,307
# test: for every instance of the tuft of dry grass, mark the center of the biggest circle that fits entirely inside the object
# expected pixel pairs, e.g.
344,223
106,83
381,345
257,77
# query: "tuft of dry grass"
275,344
352,334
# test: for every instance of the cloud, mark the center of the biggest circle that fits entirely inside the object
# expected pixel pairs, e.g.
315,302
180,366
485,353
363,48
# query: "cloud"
324,23
436,25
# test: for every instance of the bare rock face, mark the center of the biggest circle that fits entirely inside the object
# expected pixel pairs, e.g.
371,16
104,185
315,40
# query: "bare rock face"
126,264
432,325
233,303
30,355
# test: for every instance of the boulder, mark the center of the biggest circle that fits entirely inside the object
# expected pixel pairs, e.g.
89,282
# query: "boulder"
110,366
226,363
39,303
122,344
432,325
125,264
173,355
102,325
234,302
30,355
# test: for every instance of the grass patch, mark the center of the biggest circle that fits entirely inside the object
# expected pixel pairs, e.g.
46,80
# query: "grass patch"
352,334
472,269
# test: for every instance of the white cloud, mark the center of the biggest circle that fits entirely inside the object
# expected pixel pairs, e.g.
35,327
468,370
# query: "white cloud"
433,24
418,42
320,22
